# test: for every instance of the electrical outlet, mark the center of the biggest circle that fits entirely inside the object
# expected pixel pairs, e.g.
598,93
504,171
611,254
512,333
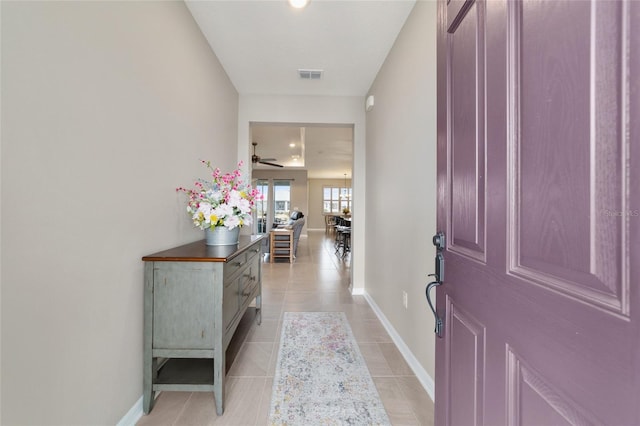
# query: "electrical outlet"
405,299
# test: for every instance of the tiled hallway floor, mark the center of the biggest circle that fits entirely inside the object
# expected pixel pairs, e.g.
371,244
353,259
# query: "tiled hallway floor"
318,280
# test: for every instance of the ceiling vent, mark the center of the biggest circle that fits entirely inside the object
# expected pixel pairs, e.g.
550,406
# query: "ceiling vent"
310,74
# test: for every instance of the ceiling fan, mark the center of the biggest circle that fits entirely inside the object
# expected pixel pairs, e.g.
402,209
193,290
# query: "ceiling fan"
256,159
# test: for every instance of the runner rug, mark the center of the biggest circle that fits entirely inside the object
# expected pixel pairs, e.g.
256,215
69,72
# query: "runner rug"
321,377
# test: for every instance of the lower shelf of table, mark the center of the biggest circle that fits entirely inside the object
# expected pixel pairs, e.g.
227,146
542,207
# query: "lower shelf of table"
185,374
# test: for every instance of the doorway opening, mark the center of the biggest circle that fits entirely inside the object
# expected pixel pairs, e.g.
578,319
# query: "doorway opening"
297,163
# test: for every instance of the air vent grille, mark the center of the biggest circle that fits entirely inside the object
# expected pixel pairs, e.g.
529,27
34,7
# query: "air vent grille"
306,74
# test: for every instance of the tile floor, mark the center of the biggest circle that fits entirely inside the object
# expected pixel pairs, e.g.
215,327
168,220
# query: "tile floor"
318,280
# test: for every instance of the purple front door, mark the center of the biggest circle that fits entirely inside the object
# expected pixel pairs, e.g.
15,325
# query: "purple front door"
539,197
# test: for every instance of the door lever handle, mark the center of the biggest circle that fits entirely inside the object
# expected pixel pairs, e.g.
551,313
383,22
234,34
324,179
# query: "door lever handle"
439,323
439,242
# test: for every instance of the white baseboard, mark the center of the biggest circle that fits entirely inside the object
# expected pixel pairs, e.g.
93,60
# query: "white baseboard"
423,377
357,291
134,414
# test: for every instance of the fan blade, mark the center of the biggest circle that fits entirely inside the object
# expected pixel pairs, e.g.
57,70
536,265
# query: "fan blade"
270,164
268,159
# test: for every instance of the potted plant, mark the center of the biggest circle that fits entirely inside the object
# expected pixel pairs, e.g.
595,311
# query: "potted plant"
221,206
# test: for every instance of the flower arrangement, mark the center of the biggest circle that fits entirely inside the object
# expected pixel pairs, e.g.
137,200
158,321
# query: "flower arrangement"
225,201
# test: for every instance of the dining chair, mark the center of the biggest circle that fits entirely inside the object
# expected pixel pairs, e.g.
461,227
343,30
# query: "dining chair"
329,223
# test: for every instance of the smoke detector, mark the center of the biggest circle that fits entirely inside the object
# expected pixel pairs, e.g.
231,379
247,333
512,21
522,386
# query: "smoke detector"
307,74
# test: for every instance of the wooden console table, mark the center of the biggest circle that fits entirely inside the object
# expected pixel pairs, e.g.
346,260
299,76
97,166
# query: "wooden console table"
194,298
281,244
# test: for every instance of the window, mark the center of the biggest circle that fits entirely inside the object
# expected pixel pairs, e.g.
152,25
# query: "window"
336,199
282,200
275,207
262,206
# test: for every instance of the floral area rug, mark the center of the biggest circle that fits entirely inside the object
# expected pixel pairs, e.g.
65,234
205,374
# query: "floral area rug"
321,377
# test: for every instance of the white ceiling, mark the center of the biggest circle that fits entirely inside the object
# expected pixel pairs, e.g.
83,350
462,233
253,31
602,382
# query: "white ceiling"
262,43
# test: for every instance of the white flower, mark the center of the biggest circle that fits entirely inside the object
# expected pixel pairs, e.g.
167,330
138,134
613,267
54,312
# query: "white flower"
234,197
215,196
232,221
224,211
244,206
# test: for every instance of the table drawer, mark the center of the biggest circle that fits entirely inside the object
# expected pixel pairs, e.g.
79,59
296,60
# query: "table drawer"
241,261
235,265
230,301
253,252
249,281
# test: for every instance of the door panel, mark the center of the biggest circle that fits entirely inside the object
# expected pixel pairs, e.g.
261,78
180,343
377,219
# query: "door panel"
538,139
465,349
568,152
176,286
466,177
530,399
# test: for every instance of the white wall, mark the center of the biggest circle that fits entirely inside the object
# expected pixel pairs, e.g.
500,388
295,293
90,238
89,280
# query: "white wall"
401,194
107,107
317,110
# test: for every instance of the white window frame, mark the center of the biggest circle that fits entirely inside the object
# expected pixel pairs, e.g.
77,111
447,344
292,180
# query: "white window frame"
336,204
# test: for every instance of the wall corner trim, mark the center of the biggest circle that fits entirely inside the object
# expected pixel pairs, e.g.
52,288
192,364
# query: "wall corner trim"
423,377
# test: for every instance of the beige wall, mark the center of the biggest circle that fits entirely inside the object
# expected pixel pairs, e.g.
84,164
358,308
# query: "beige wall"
107,107
316,198
401,148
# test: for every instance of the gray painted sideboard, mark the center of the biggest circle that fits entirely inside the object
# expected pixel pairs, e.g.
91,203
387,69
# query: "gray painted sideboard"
194,298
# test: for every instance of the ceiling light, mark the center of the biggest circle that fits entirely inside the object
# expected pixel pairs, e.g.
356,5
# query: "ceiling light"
298,4
292,145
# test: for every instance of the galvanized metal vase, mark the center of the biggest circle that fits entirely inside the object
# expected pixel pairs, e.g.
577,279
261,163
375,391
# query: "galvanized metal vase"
221,236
